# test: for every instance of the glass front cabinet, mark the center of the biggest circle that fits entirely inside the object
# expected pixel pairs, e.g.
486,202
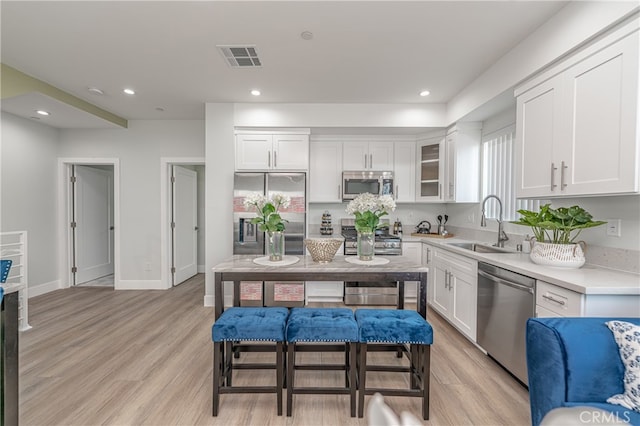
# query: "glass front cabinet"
430,155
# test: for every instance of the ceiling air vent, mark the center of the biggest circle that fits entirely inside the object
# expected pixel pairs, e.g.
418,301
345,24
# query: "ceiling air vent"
240,56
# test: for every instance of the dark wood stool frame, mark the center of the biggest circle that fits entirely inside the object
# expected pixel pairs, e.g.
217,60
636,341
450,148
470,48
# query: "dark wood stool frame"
223,366
349,367
419,368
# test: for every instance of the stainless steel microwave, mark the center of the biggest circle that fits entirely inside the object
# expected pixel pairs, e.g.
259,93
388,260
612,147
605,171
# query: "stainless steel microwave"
355,183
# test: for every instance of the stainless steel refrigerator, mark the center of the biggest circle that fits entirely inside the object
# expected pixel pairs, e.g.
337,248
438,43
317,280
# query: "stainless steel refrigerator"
247,239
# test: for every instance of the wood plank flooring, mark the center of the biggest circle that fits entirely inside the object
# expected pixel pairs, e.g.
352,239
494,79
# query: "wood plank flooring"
96,356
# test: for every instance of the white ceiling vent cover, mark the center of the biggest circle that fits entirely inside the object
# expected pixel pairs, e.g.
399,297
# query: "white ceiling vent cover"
240,56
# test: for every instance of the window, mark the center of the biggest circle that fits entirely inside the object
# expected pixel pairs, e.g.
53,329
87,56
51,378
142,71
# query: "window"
499,177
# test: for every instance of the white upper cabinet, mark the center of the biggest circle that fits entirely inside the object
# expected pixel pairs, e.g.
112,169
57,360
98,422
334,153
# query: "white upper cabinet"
463,163
325,171
576,126
430,169
269,151
404,171
364,155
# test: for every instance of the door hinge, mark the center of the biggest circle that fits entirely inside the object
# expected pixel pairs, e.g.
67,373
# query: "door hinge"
173,179
74,269
173,225
72,179
173,269
74,224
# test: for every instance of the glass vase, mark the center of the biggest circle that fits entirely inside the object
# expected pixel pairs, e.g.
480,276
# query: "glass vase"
365,245
275,245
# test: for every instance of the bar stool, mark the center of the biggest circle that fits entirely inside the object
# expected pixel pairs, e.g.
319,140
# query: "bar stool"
313,330
387,330
247,324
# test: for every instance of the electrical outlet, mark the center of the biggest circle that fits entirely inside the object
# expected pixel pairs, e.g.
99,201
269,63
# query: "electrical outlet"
613,228
147,266
471,218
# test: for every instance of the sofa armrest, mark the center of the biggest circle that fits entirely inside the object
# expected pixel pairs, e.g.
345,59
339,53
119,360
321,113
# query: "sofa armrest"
571,360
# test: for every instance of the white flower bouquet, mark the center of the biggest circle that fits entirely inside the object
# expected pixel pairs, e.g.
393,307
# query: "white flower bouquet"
269,219
368,209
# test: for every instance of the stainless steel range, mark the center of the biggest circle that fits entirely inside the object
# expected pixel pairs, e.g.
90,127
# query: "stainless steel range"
385,244
370,293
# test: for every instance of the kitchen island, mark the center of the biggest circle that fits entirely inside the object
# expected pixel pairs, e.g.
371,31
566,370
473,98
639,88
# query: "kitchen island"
243,268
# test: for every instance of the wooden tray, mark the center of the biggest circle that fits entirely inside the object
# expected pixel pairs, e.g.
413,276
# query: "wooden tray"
415,234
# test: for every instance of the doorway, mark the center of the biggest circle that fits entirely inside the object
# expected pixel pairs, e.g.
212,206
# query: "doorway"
183,219
89,222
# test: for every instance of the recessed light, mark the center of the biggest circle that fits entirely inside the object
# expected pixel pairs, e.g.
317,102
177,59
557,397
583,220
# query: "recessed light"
255,92
42,112
160,109
129,91
95,91
306,35
424,93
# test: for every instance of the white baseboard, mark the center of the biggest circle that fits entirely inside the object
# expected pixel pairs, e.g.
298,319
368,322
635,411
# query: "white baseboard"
208,300
40,289
140,285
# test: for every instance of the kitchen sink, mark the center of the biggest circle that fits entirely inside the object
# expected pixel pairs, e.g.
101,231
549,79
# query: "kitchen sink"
481,248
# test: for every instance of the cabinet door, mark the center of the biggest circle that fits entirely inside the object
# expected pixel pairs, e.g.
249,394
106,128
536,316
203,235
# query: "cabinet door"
290,152
253,152
430,169
355,155
602,152
463,163
404,171
380,156
427,260
538,130
325,172
441,293
464,282
412,250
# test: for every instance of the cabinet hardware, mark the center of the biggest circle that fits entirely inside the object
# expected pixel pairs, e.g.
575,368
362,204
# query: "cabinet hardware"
553,169
396,192
365,161
551,299
562,184
269,158
275,159
339,192
371,161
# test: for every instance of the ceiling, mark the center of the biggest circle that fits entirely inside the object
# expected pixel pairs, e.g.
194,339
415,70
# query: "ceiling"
360,52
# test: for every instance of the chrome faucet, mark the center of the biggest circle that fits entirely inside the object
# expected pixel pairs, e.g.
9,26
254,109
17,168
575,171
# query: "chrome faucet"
502,236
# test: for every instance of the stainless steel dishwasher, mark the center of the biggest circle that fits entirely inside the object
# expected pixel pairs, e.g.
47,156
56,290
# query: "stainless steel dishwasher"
505,302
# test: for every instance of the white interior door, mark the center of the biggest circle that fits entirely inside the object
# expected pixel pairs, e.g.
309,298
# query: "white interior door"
94,223
185,223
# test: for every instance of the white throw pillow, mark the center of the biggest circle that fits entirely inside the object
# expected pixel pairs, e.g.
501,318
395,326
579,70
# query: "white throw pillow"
627,337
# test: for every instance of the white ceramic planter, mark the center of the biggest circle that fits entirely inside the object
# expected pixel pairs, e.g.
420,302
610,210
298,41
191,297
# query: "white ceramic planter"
561,255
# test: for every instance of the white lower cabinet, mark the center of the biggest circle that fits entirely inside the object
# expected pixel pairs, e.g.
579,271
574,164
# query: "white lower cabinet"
427,260
454,282
555,301
412,250
324,291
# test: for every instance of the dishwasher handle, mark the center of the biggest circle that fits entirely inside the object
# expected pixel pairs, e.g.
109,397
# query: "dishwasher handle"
505,282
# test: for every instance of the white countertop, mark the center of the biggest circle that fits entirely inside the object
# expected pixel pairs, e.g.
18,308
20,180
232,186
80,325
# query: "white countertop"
586,280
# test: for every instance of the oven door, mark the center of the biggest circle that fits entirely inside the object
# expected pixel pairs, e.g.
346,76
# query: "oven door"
371,293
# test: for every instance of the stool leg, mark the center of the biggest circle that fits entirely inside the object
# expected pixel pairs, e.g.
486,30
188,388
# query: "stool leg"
362,378
352,376
279,374
291,360
218,365
228,367
426,376
346,364
414,365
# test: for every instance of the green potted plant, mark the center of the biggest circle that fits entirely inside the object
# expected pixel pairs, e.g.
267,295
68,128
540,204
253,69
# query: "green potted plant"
555,232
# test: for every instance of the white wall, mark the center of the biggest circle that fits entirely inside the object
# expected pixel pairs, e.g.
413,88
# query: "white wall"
139,149
28,188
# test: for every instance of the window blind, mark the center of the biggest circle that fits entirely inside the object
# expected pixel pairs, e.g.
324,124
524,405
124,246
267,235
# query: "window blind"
498,175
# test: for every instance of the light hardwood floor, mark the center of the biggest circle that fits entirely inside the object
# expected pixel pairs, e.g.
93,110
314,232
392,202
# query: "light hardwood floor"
99,356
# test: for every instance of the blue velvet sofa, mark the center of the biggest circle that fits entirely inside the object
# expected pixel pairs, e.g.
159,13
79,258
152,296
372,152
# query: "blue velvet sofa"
574,362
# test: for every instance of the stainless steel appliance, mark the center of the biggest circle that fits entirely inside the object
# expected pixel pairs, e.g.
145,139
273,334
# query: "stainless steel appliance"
356,183
371,293
505,302
247,239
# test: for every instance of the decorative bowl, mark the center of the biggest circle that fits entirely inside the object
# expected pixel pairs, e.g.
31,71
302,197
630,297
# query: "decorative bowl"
323,250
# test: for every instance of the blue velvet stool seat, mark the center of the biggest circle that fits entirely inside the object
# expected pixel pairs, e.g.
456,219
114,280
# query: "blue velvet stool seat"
382,330
245,325
322,330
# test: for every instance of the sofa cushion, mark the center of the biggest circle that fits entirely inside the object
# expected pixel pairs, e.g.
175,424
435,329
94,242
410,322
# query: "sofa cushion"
627,337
